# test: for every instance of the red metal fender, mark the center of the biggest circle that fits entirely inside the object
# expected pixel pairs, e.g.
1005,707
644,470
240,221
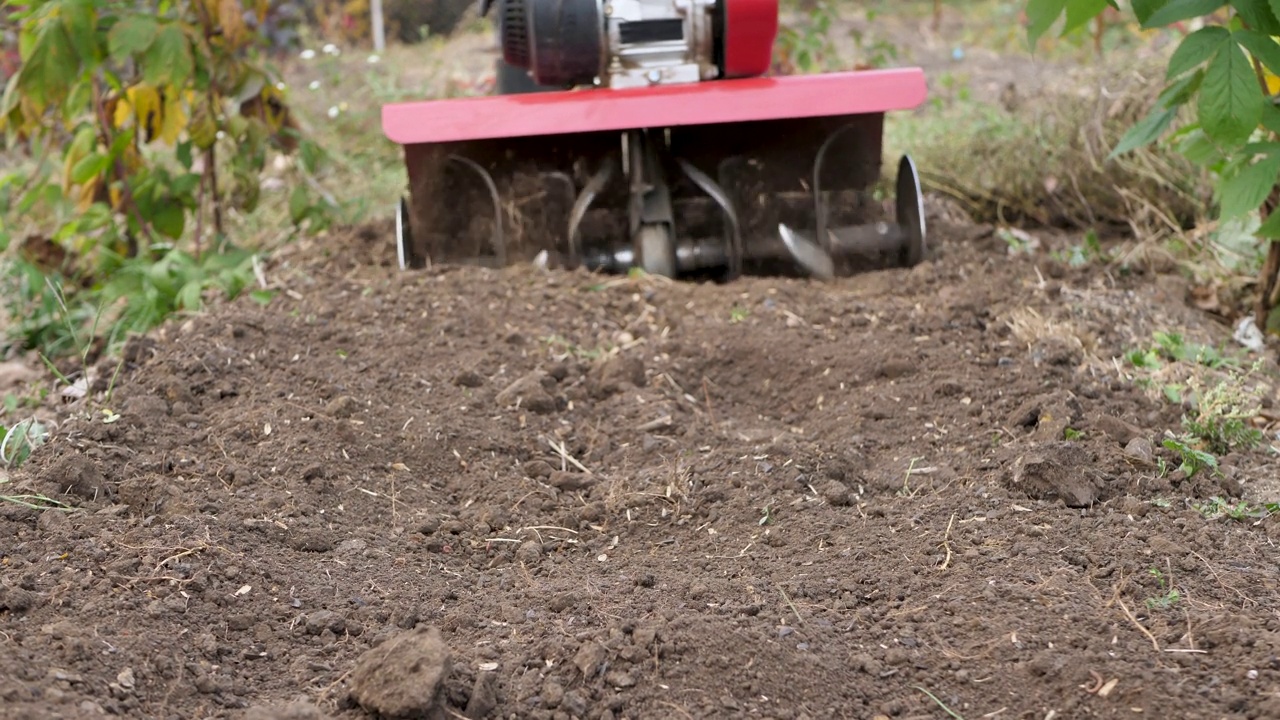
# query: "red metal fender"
662,106
750,30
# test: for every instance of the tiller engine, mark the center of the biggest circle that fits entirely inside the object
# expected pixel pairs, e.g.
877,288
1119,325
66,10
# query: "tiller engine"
648,136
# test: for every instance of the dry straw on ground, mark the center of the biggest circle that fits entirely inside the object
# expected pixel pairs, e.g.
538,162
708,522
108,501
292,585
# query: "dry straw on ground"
1043,158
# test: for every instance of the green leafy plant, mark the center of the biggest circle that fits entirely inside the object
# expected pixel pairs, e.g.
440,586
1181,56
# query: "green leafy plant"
1193,461
148,123
808,46
1218,104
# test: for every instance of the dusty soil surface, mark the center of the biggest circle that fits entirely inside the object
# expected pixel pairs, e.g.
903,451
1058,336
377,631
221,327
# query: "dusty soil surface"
473,493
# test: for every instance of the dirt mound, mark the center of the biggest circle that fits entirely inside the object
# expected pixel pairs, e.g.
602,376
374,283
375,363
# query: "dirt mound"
619,497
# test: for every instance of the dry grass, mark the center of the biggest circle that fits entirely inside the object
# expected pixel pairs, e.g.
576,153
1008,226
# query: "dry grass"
1042,158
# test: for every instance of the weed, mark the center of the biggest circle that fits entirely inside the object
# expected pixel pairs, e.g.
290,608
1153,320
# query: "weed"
1221,415
19,440
766,516
1218,395
1084,253
1217,508
1168,597
562,348
1193,461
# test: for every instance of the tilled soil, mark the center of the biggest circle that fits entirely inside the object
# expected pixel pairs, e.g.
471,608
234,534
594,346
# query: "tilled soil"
531,494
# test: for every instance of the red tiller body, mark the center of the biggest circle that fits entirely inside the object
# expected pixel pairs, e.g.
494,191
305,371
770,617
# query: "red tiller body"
650,134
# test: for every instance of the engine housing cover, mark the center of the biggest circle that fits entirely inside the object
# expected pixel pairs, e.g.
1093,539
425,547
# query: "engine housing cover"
637,43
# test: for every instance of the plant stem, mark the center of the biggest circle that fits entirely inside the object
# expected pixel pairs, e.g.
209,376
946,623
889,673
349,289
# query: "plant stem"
117,167
1269,277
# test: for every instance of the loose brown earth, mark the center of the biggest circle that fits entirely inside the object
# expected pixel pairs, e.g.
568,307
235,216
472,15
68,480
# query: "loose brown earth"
567,496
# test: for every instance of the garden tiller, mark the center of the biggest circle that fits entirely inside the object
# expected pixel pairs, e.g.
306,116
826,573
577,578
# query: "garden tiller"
646,134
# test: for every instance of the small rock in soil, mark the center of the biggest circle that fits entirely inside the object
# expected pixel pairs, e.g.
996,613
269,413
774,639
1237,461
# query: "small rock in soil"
895,369
552,693
620,679
402,677
1140,449
321,620
352,545
1055,471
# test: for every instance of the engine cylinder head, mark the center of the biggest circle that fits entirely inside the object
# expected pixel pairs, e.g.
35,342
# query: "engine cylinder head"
560,42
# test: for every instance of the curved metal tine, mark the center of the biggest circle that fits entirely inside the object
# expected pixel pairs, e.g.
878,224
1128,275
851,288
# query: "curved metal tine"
590,191
569,190
717,193
808,254
499,242
819,205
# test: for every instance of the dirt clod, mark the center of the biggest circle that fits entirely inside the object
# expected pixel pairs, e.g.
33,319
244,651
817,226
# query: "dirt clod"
468,379
1056,471
77,475
616,374
484,696
16,599
529,392
342,407
570,481
589,658
402,677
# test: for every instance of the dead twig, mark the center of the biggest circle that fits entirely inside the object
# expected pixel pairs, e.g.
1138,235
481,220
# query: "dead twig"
566,457
1134,620
794,609
946,543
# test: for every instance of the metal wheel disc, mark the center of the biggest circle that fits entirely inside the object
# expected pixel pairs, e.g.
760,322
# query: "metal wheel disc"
909,202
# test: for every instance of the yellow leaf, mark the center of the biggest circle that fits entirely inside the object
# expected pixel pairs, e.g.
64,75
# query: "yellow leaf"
143,106
87,193
174,117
